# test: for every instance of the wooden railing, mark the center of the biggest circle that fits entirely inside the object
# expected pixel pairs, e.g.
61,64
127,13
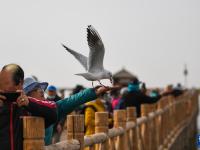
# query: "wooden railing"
168,124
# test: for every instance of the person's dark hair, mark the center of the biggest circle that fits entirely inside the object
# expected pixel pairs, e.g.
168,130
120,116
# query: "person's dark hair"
17,71
179,85
115,93
143,86
77,89
135,81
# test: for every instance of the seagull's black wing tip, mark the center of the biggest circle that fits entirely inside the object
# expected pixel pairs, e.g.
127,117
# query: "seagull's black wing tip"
89,30
64,46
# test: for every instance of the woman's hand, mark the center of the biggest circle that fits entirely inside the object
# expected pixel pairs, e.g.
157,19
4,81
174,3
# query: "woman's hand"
103,89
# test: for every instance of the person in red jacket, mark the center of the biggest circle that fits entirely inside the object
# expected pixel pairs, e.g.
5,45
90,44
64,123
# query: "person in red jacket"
11,110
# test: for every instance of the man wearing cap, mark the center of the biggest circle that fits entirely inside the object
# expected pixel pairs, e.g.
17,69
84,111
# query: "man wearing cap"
52,94
64,106
11,110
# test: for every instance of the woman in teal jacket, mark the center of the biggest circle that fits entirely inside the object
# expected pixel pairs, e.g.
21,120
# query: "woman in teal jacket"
35,89
67,105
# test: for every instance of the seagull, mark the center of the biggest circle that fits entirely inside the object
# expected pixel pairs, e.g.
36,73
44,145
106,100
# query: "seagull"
93,64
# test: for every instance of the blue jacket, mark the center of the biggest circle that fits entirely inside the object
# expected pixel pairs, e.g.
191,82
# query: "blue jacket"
67,105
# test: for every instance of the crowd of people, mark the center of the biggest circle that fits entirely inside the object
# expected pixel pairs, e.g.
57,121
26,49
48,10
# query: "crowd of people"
133,95
41,99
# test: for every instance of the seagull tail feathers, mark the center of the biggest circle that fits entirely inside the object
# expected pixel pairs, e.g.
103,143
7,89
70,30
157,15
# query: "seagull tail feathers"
85,75
80,74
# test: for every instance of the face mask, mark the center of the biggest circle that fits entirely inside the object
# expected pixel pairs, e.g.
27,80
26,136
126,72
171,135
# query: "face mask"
51,97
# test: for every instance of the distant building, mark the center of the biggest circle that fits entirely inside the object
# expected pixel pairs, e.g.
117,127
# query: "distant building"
123,77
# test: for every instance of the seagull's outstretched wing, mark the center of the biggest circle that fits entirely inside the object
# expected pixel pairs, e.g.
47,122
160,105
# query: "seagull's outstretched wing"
96,55
81,58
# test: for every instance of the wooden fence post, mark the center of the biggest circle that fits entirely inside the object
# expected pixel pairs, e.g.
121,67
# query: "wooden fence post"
152,127
75,129
120,121
33,133
161,123
172,116
145,128
168,121
131,116
101,125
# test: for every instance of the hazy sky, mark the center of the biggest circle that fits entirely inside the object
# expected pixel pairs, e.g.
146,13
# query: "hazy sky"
151,38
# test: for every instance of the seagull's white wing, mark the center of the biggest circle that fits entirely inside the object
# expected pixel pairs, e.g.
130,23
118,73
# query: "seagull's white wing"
81,58
96,55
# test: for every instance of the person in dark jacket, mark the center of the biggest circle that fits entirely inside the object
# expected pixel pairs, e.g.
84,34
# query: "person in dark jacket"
178,90
143,88
11,110
134,97
52,94
174,91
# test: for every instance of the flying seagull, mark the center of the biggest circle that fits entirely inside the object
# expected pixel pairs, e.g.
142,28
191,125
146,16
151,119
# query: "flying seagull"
93,64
